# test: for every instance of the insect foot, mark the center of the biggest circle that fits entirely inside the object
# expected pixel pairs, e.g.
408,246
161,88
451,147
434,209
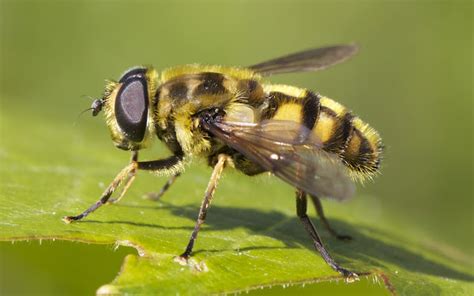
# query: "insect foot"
68,219
192,264
182,260
349,276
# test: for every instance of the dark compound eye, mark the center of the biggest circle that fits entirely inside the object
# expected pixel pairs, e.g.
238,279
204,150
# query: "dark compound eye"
131,107
137,72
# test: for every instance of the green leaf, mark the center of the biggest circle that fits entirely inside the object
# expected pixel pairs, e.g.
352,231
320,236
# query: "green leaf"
251,239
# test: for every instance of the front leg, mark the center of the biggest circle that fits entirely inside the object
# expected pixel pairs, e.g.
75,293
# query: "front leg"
206,202
128,173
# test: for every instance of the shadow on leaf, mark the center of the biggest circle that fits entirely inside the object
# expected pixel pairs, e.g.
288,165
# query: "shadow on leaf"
289,230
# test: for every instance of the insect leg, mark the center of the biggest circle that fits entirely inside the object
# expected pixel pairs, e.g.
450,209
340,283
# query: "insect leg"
128,182
301,209
126,173
319,210
211,187
155,165
156,196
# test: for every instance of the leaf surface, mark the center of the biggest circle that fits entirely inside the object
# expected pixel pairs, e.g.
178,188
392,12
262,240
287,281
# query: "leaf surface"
251,239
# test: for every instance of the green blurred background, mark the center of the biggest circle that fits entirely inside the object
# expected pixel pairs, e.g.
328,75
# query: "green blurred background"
412,81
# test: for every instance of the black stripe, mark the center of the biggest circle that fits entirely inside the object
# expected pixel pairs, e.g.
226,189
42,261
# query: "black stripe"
252,85
364,148
178,90
168,136
310,109
347,128
361,160
328,111
173,142
364,161
338,142
212,83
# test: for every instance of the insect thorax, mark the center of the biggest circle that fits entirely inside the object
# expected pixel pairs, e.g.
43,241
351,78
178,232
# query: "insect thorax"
182,95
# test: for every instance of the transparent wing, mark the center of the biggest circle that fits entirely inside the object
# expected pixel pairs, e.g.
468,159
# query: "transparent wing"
291,152
310,60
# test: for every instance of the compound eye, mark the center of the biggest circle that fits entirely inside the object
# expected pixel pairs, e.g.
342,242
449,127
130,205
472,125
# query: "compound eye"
131,108
137,72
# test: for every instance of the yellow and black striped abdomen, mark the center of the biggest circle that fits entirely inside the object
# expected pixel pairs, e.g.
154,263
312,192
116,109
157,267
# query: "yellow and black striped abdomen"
355,142
358,144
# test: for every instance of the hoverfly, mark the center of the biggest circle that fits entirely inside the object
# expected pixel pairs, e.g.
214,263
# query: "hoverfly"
230,117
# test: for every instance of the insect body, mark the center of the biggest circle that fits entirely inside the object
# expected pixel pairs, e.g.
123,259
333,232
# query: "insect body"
229,116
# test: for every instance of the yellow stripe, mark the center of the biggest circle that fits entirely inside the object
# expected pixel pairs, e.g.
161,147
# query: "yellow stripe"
352,149
333,105
324,128
369,133
285,89
289,111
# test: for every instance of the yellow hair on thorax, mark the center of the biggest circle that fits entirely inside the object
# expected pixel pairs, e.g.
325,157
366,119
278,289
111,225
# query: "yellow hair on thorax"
236,72
192,141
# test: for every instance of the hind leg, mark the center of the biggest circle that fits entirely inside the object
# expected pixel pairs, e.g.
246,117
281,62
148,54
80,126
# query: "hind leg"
301,209
319,210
